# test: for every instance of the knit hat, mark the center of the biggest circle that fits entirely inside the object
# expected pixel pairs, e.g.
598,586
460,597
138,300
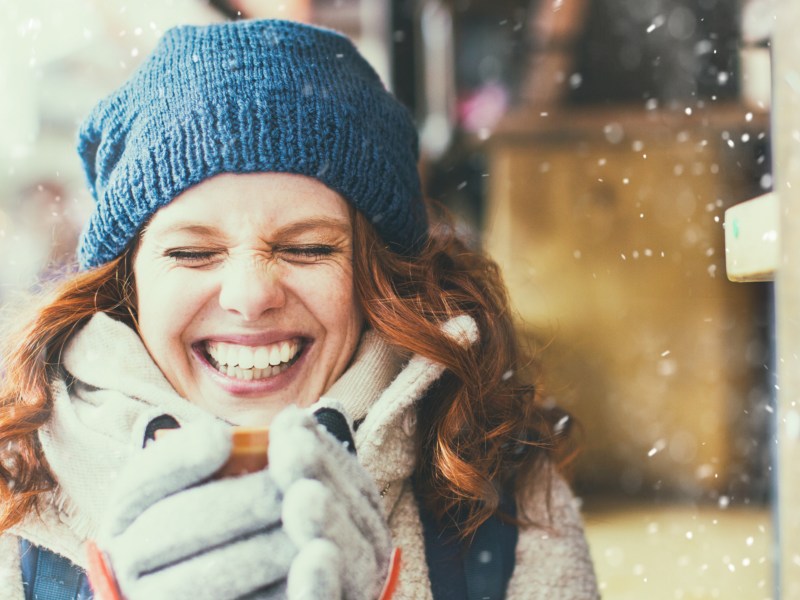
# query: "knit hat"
244,97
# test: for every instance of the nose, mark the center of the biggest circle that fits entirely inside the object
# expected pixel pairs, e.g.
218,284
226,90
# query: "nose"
250,288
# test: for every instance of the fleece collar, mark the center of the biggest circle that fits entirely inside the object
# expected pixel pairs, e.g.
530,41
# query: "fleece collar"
113,389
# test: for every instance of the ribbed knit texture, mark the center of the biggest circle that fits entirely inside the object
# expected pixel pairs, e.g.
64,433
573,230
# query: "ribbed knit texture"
244,97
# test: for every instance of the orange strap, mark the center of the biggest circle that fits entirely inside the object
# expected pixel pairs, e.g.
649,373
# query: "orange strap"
394,574
101,576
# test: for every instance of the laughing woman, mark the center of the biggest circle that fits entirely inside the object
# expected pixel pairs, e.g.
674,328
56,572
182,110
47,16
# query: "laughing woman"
260,254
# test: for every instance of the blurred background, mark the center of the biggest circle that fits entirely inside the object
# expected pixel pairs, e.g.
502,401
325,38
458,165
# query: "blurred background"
592,147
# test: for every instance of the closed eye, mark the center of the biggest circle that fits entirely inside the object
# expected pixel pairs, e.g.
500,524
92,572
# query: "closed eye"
304,253
191,257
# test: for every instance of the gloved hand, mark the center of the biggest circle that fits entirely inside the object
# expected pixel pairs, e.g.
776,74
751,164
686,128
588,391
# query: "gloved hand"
173,533
331,512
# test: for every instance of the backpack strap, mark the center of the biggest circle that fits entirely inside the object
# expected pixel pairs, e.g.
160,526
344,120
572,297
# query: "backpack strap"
479,570
49,576
489,561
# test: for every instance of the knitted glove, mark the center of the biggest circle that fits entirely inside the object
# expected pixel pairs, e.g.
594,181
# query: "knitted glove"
175,533
331,512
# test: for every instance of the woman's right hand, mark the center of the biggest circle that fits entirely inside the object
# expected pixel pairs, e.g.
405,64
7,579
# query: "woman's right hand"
174,532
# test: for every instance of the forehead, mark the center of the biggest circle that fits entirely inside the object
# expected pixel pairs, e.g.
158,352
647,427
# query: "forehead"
262,200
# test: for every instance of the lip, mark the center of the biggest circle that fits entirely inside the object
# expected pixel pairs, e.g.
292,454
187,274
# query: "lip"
245,388
252,339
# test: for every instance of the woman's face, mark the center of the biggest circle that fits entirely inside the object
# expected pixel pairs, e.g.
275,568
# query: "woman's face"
244,285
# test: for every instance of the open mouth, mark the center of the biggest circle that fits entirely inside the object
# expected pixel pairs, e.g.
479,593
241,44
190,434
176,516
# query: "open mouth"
249,363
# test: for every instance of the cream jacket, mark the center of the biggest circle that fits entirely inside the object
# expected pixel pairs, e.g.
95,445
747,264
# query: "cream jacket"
552,558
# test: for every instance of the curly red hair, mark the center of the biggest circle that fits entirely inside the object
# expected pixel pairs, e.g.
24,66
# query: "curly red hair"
31,360
480,430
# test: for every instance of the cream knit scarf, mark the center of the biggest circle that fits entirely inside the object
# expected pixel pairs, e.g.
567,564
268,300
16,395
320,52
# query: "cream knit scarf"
115,389
102,409
99,418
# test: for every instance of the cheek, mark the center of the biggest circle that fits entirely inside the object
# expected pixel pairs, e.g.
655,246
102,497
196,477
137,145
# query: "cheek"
341,299
330,298
344,326
154,300
164,306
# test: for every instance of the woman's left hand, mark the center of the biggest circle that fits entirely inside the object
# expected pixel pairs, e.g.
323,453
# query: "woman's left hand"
331,512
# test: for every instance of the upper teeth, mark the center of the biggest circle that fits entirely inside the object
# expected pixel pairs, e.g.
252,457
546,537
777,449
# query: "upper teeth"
249,357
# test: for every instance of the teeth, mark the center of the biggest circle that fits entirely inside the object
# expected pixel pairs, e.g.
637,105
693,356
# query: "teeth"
275,355
261,358
245,358
218,351
252,362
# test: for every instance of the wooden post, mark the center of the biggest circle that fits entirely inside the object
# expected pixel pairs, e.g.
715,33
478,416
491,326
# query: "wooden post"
786,128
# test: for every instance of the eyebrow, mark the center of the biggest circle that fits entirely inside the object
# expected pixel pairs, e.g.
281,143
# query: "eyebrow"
341,225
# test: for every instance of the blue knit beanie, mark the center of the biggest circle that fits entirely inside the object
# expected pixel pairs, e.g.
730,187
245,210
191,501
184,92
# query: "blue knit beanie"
244,97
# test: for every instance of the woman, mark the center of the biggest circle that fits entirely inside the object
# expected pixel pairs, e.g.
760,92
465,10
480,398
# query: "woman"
260,254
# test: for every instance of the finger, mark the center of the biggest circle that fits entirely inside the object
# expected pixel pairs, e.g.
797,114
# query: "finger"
311,511
299,450
188,522
183,458
316,572
274,591
250,566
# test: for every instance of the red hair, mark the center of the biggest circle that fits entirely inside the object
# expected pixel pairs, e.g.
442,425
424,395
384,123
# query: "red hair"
480,429
31,359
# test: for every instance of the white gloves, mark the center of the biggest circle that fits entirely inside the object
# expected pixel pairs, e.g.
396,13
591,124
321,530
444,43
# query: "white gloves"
331,512
174,533
313,519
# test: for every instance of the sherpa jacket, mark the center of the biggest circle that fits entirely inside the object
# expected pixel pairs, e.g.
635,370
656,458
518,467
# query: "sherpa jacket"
552,558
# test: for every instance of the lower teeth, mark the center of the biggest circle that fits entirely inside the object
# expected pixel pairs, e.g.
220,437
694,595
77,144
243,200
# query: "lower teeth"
250,374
